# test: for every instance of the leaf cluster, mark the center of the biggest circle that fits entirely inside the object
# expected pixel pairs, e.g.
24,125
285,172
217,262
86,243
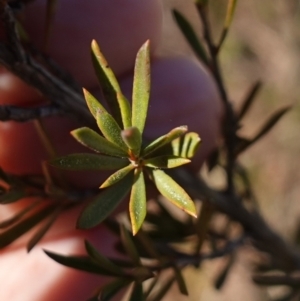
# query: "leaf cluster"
121,147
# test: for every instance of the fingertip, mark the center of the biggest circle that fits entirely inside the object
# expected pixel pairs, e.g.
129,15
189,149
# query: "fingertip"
119,29
14,91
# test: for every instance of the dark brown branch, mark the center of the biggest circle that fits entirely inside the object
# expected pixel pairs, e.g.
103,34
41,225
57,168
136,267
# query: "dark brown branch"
25,114
264,238
292,281
230,122
16,60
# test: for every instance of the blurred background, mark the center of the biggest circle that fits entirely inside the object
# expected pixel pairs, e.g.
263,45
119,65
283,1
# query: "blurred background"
263,44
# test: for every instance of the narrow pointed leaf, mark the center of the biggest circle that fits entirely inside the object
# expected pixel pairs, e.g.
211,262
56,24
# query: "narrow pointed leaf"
11,196
249,99
125,110
103,261
264,130
191,36
43,229
137,203
187,145
223,276
147,244
202,224
111,289
22,33
130,246
94,141
117,176
118,104
104,203
213,159
201,2
173,192
51,9
137,292
163,290
4,176
8,222
133,139
165,139
110,128
93,104
270,280
24,226
228,20
141,87
151,286
230,12
166,162
180,281
82,263
86,161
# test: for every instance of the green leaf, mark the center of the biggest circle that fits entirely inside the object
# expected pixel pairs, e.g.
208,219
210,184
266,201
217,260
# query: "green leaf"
180,281
130,246
246,104
94,141
133,139
118,104
10,221
110,290
191,36
230,12
137,203
94,213
82,263
201,2
187,145
166,162
86,161
213,159
165,139
163,290
228,20
93,104
151,286
103,261
202,224
173,192
110,129
43,229
137,292
24,226
141,87
125,110
264,130
223,276
148,245
117,176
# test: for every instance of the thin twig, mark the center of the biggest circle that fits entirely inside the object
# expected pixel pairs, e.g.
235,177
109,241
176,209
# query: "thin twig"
26,67
264,238
230,122
25,114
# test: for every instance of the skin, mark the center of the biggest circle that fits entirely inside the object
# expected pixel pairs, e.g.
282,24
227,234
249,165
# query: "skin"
182,92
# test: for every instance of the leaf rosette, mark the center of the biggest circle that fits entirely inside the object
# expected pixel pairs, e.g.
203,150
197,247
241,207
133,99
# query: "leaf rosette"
121,147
